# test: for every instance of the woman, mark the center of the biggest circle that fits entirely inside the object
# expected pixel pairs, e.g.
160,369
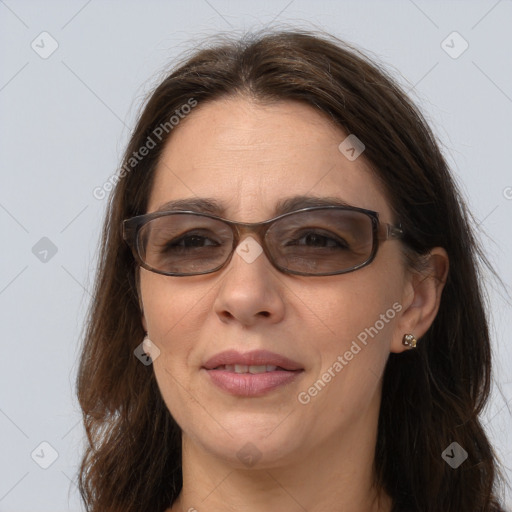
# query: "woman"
287,313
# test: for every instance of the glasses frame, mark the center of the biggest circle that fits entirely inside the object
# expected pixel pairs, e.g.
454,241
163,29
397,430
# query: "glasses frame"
381,232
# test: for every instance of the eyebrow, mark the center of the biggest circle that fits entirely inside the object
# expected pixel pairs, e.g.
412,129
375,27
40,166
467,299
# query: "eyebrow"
214,207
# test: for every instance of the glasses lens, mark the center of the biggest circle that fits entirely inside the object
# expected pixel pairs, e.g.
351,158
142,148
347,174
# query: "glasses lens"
321,241
184,243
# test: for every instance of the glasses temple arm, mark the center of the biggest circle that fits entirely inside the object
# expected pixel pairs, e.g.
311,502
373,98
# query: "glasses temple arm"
391,231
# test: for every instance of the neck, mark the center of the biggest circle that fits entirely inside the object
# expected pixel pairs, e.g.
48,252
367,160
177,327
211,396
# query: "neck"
337,475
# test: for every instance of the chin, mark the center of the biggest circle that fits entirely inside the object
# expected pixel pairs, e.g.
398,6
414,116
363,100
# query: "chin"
250,440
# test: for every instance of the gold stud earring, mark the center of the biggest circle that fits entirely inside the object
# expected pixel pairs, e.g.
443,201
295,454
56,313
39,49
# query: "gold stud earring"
409,340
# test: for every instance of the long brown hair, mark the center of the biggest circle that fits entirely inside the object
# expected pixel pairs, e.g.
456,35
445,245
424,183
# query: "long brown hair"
431,396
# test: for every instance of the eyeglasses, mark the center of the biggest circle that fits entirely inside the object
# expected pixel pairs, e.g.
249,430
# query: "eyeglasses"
313,241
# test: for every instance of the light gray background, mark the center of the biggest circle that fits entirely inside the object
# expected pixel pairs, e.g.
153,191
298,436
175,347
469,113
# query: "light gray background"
65,121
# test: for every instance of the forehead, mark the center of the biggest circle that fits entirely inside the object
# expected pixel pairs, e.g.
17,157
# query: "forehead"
250,158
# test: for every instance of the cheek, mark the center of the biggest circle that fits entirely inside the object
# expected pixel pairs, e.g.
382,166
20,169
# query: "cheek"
353,305
165,315
174,312
349,360
171,306
167,319
356,317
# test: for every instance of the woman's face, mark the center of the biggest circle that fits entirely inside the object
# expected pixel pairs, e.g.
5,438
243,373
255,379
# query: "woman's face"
338,330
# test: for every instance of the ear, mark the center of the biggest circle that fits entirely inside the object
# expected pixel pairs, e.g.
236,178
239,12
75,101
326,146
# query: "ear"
421,298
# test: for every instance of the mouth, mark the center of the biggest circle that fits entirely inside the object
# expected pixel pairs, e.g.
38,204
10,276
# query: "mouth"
253,368
251,374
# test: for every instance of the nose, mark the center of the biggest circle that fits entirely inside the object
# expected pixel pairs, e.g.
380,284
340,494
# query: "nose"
251,289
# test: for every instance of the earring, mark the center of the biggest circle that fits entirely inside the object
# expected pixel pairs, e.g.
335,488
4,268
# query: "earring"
409,340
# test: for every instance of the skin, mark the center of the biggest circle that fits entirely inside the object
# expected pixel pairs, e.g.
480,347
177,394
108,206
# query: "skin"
316,456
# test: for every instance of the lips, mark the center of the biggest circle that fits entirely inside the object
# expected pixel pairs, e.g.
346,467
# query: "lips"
256,358
251,374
